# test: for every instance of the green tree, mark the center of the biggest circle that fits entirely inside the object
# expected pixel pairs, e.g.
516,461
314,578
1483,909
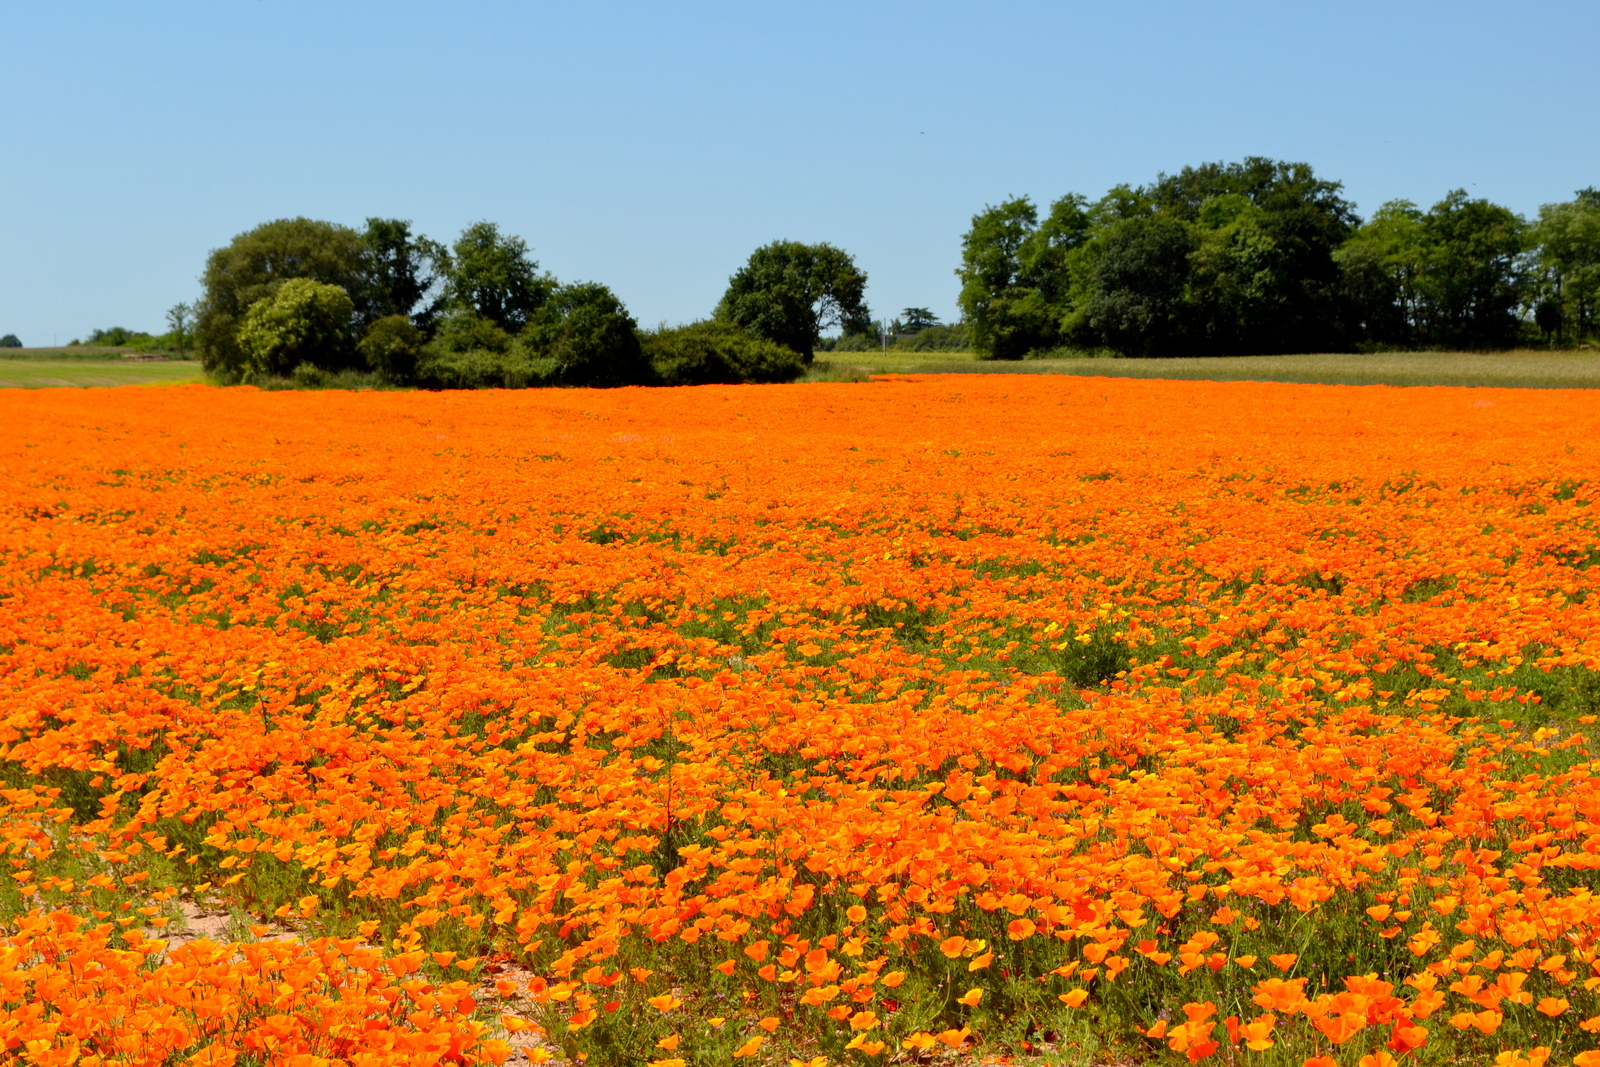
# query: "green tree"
1134,279
791,292
1475,279
1383,264
1567,238
496,276
707,353
588,337
915,320
1265,279
302,322
391,346
179,318
400,271
254,265
10,340
1016,275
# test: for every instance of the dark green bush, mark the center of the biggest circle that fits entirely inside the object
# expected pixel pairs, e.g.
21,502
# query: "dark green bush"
391,347
481,369
10,340
588,337
957,337
705,353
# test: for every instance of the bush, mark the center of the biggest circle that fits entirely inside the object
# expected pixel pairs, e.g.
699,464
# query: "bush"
10,341
253,266
588,337
705,353
956,337
309,376
391,347
469,351
856,342
120,337
303,321
481,368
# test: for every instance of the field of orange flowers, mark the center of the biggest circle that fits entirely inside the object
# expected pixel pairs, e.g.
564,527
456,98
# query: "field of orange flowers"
1031,719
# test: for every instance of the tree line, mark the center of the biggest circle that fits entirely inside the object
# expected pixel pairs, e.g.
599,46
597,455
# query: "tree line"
1263,256
305,300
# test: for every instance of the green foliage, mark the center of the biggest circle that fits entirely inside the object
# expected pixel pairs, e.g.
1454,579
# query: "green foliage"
1001,269
464,330
1132,299
704,353
302,322
391,346
481,368
400,270
1383,264
495,276
1475,283
118,337
952,337
790,292
468,351
254,265
1568,240
180,319
10,340
588,337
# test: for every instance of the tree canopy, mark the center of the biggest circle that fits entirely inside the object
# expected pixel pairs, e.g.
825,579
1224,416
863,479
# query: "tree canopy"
496,276
790,292
1265,256
253,266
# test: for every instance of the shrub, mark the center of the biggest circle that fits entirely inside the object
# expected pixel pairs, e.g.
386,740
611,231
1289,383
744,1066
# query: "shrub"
856,342
589,338
956,337
391,347
303,321
481,368
309,376
704,353
253,266
119,337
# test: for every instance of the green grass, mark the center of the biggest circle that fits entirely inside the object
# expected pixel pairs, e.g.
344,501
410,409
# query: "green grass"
43,369
1519,369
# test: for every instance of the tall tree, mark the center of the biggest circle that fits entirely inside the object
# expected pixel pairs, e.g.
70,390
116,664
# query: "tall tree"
496,276
791,292
1475,279
254,264
1134,278
301,322
401,271
1266,277
1383,264
1567,237
1014,276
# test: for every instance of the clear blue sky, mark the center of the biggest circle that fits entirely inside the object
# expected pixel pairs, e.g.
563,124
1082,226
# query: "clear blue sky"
653,146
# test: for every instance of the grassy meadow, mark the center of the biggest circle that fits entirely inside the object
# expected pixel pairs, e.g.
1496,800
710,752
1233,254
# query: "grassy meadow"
79,366
1531,369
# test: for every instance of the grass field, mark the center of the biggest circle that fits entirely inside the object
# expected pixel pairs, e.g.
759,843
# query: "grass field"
946,720
79,366
1527,369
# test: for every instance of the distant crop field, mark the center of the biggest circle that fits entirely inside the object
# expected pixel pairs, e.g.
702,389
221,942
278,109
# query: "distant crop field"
938,720
88,370
1530,369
